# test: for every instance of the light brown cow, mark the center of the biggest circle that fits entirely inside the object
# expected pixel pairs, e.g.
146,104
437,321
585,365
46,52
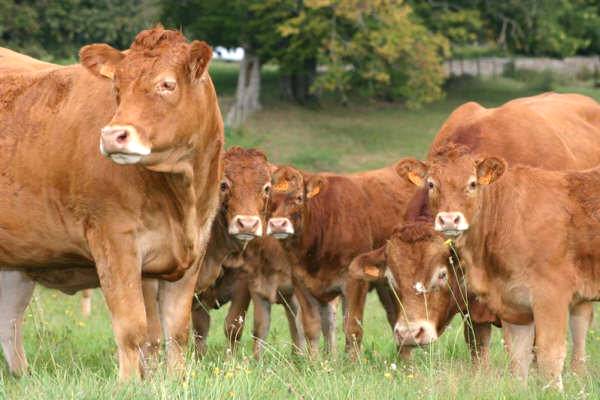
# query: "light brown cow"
327,220
66,206
531,251
404,260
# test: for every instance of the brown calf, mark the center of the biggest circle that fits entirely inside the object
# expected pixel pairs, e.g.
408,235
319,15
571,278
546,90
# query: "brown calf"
530,250
327,220
154,110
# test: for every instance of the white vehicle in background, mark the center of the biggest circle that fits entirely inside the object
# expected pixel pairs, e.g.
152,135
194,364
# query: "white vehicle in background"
225,54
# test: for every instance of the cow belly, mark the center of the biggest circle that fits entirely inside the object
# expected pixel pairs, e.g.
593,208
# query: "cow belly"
68,280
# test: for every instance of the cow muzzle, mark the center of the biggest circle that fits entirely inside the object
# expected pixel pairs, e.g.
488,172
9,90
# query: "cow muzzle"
280,228
451,224
417,333
122,144
246,227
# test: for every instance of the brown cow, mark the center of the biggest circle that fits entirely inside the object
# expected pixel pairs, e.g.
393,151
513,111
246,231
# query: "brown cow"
327,220
66,206
531,250
560,132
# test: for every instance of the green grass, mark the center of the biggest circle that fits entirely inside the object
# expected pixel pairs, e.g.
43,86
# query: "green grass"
72,357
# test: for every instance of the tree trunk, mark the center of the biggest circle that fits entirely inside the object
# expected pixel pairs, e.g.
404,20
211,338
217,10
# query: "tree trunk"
295,85
248,91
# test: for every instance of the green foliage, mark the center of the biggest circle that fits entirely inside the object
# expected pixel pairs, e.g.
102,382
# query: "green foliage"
377,48
58,29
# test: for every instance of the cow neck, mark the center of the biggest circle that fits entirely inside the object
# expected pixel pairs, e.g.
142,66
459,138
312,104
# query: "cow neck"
193,177
312,233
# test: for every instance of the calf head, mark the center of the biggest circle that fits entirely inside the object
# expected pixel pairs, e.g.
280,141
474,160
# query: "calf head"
454,182
292,191
160,87
245,192
416,265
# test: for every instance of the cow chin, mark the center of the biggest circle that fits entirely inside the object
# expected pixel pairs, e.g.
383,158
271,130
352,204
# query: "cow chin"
125,158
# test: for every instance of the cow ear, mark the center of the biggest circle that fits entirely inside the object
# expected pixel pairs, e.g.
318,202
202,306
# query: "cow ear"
368,266
489,170
100,59
200,55
413,170
314,186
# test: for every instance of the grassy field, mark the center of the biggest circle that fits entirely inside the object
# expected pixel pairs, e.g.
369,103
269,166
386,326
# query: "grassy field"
73,357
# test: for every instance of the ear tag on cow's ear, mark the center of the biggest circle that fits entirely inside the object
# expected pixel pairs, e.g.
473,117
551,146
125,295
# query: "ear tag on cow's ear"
372,271
315,191
282,186
415,178
107,71
485,180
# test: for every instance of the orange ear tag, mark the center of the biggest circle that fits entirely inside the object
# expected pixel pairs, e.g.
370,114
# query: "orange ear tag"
282,186
371,271
313,192
415,179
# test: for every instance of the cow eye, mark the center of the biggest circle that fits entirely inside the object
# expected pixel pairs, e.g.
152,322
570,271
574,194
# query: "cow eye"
430,185
299,199
473,185
166,86
224,186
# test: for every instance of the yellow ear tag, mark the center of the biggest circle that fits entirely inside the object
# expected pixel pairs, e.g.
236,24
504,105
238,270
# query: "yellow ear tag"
415,179
313,192
107,71
485,180
282,186
372,271
449,243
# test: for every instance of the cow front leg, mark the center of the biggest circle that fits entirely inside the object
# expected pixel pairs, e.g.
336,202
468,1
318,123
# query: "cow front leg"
292,312
478,338
311,319
236,315
119,270
262,321
16,290
86,302
201,324
551,319
520,347
328,325
356,296
151,349
579,322
175,306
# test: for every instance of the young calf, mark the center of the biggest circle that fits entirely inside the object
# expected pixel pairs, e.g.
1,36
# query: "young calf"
529,239
325,220
426,312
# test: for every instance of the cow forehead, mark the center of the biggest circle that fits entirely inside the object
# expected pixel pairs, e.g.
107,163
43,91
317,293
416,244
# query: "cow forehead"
145,64
456,171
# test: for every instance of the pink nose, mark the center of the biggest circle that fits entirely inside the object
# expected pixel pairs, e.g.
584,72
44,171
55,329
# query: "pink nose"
247,224
451,221
278,224
114,140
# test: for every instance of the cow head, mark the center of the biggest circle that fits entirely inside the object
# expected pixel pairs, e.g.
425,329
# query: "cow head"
454,183
245,192
416,264
160,90
289,201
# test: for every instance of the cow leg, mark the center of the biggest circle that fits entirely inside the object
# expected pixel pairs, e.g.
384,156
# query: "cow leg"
201,323
478,338
262,320
580,320
119,270
16,290
550,337
292,312
356,297
520,346
151,349
311,319
86,302
328,324
236,316
175,305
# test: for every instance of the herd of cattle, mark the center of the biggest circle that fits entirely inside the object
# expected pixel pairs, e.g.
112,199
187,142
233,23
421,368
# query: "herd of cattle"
113,175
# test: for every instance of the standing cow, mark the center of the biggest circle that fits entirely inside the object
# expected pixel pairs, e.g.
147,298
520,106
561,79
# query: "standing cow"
325,220
111,169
